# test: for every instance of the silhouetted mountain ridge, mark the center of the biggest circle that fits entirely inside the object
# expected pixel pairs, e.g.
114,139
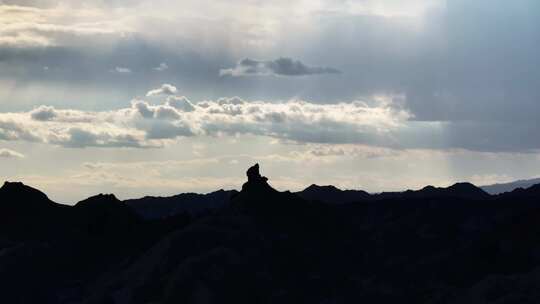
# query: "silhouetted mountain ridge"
461,190
19,195
434,245
151,207
104,213
331,194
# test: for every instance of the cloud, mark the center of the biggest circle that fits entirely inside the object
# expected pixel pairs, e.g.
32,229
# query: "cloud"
13,130
29,26
145,125
24,40
167,130
122,70
378,123
82,138
180,103
161,67
165,89
143,108
43,113
75,129
6,153
279,67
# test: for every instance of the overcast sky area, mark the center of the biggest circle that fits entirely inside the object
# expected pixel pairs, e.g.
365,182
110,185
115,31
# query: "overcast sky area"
137,97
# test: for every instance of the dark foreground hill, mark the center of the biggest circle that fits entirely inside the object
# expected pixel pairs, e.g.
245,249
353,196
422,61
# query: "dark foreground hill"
434,245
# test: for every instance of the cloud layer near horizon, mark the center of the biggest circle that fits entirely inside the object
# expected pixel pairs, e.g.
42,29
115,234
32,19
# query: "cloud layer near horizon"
146,125
382,122
7,153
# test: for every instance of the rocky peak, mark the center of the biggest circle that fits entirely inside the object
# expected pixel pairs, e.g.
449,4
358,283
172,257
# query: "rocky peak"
254,175
100,200
19,192
255,191
256,182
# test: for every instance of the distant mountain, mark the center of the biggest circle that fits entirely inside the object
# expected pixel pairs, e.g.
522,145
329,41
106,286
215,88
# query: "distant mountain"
151,207
458,190
105,214
521,193
331,194
508,187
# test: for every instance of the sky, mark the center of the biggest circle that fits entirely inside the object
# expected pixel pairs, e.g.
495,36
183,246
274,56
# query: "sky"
138,97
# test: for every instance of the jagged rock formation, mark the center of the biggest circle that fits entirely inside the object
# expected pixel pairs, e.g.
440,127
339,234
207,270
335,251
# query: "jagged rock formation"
259,198
254,176
256,182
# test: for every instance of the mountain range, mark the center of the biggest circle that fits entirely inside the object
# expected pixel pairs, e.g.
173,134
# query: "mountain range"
321,245
510,186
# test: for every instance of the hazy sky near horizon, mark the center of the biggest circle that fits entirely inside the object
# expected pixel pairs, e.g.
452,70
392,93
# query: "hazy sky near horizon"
139,97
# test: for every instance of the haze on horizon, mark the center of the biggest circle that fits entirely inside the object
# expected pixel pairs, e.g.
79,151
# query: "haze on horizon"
155,98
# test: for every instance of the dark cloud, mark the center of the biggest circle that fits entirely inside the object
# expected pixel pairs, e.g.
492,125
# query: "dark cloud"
43,113
289,67
166,130
81,138
280,67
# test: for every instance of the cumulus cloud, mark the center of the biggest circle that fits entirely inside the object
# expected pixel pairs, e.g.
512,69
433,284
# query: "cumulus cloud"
180,103
143,108
75,129
165,89
6,153
280,67
145,125
16,130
